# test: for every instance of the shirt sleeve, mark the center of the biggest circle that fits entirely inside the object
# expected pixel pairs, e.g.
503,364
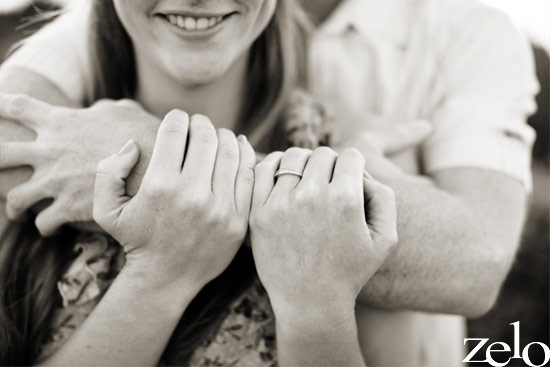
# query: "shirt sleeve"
59,52
488,87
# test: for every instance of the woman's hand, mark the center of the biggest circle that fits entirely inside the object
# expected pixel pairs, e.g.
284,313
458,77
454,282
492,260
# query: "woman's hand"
68,146
313,246
189,216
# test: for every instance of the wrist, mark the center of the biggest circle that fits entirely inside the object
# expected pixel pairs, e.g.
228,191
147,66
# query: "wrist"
148,281
329,315
332,337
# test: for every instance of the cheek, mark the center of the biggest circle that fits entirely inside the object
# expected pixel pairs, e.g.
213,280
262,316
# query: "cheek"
133,13
260,13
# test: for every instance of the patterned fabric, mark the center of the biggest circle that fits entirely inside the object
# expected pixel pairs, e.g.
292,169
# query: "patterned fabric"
98,261
246,337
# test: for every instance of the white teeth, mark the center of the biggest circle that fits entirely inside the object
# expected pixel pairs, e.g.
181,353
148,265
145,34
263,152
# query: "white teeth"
190,23
202,23
194,24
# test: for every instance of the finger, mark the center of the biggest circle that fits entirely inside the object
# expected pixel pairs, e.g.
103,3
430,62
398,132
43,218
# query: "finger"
169,150
245,176
110,191
24,109
226,166
50,219
404,136
349,170
264,179
381,211
21,198
15,154
201,154
294,159
319,167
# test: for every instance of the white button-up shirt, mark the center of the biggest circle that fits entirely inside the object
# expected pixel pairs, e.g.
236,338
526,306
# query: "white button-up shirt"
456,63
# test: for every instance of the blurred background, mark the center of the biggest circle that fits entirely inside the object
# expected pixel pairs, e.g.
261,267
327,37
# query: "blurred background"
525,296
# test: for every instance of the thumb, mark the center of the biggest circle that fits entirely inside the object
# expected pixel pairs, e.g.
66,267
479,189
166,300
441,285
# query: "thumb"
110,186
404,136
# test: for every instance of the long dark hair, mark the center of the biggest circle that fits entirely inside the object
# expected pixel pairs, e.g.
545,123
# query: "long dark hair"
31,265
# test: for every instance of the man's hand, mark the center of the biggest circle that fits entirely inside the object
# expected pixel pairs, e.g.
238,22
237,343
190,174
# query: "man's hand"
65,154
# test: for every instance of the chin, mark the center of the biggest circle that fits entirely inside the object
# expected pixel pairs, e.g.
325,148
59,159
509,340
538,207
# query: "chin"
199,73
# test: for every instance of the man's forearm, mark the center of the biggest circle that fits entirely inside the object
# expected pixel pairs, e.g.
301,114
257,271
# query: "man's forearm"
450,257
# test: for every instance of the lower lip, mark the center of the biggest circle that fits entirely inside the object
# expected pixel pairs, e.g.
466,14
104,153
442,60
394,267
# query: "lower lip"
197,34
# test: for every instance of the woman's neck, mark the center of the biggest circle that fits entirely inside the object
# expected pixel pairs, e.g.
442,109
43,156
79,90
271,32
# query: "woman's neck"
220,100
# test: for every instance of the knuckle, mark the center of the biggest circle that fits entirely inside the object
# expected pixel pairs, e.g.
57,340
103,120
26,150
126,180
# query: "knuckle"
386,192
104,103
127,102
226,134
325,151
247,175
229,154
308,197
275,208
46,222
177,115
226,148
13,206
295,152
216,218
261,166
158,189
259,219
345,198
13,198
196,203
206,135
200,121
18,104
353,153
173,124
237,228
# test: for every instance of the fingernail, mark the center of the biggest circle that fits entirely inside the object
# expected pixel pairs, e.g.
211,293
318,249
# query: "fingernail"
127,148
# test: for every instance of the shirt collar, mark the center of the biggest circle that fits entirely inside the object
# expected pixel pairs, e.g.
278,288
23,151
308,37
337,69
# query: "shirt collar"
388,19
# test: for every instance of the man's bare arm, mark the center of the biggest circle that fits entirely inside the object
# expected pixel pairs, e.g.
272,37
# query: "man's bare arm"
458,235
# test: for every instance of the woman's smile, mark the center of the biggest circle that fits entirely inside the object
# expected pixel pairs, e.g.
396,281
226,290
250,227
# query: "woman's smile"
195,26
196,23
